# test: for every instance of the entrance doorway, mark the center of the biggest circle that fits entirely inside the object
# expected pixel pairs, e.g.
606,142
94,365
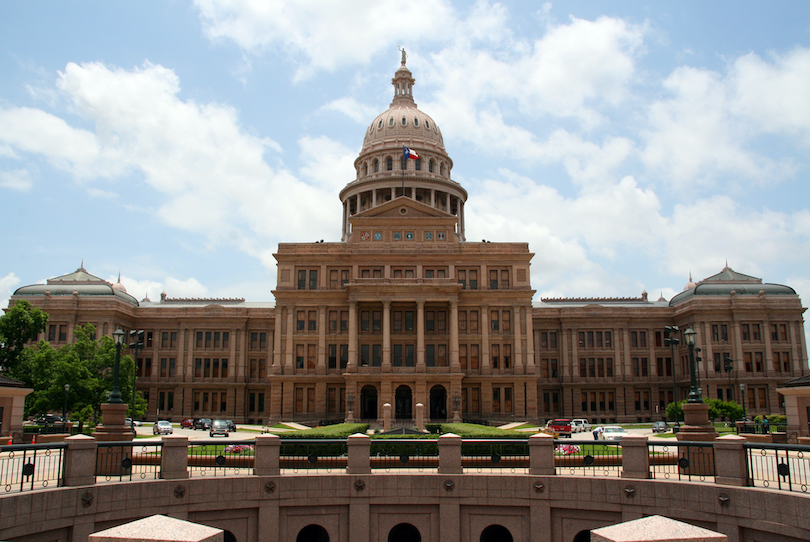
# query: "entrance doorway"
438,403
404,403
368,403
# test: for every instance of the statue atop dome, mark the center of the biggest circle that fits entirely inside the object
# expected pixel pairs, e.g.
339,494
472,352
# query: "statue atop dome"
404,54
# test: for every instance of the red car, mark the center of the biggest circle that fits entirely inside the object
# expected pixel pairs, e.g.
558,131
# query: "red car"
187,423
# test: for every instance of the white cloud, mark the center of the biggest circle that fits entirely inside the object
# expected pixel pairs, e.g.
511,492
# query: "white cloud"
353,109
7,286
18,179
322,33
212,174
177,288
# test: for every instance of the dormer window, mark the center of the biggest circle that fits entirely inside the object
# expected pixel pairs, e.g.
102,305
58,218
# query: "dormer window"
427,124
391,121
379,124
415,122
404,121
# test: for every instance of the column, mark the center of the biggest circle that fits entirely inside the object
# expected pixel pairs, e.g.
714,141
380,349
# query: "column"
766,333
238,373
518,361
420,336
277,361
485,324
289,362
455,365
531,363
374,197
351,366
321,367
433,197
386,346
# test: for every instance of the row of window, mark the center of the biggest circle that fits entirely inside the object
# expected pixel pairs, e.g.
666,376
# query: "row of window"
210,402
499,279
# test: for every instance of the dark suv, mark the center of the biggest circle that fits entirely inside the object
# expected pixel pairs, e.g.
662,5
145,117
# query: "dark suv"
219,427
202,423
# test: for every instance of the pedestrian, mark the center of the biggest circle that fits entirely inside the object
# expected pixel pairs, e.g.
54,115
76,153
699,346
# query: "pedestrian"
596,432
765,425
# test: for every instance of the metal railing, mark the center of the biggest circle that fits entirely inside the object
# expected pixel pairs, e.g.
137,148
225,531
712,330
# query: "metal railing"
312,455
682,460
495,456
778,466
26,467
128,460
220,458
404,455
588,458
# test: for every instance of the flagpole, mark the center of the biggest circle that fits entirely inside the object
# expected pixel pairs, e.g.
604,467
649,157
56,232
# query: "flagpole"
404,163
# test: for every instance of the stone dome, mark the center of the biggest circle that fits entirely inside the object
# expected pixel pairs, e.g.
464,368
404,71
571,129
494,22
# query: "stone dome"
404,123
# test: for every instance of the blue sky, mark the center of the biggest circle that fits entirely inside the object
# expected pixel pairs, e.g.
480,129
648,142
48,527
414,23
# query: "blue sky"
630,143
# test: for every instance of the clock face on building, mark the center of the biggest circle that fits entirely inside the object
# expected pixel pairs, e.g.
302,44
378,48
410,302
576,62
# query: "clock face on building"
409,235
365,236
428,236
397,236
440,236
377,236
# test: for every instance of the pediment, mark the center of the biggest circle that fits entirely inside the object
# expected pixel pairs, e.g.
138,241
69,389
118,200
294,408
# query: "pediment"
403,206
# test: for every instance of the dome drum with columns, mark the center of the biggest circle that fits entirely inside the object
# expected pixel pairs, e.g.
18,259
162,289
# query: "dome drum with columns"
383,174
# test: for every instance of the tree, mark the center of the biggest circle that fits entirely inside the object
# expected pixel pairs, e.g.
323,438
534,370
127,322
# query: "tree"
717,409
20,324
86,365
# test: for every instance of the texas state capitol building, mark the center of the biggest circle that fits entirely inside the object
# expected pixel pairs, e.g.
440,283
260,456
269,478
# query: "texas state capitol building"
404,310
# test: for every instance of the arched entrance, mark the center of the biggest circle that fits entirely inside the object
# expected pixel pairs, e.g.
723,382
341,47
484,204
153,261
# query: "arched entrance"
403,404
496,533
583,536
438,403
368,403
404,532
312,533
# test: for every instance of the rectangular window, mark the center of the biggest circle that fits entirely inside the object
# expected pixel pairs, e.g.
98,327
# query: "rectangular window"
496,399
344,277
430,355
300,320
397,320
494,320
462,279
332,361
493,280
507,399
302,279
473,282
409,357
507,321
376,320
365,355
313,279
312,321
462,321
474,356
462,356
495,354
397,354
344,355
333,279
299,356
344,320
507,356
474,321
376,355
408,320
505,279
311,356
333,321
430,321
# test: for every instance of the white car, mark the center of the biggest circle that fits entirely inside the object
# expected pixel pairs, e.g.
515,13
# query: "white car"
612,432
580,425
162,427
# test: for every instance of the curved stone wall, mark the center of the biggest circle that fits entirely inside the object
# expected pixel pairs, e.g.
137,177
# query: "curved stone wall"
441,506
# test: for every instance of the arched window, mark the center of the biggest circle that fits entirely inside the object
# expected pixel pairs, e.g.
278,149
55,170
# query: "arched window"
404,121
427,124
376,166
430,166
391,121
418,165
404,532
415,121
496,533
389,163
379,124
365,170
312,533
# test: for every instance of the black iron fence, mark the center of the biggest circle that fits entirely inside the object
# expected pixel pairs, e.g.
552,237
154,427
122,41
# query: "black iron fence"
681,460
778,466
128,460
26,467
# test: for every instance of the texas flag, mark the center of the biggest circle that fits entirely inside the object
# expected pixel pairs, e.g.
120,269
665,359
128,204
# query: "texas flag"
410,154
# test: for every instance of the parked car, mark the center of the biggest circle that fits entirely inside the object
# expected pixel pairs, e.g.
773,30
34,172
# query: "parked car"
612,432
580,425
129,422
202,423
219,427
187,423
231,426
660,427
162,427
561,427
49,419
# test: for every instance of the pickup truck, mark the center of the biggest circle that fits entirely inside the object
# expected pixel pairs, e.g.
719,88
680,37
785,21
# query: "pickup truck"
580,425
561,427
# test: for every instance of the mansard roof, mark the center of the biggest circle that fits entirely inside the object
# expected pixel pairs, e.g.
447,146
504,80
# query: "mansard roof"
728,282
80,282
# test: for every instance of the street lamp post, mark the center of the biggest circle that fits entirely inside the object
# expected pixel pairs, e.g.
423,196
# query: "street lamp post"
115,395
671,339
742,401
137,346
728,366
64,407
350,407
695,395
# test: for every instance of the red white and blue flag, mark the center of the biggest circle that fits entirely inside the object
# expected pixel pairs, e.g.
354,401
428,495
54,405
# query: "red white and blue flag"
410,154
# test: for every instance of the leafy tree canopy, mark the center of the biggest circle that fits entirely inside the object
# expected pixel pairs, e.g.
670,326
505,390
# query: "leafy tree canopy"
86,365
717,409
19,325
